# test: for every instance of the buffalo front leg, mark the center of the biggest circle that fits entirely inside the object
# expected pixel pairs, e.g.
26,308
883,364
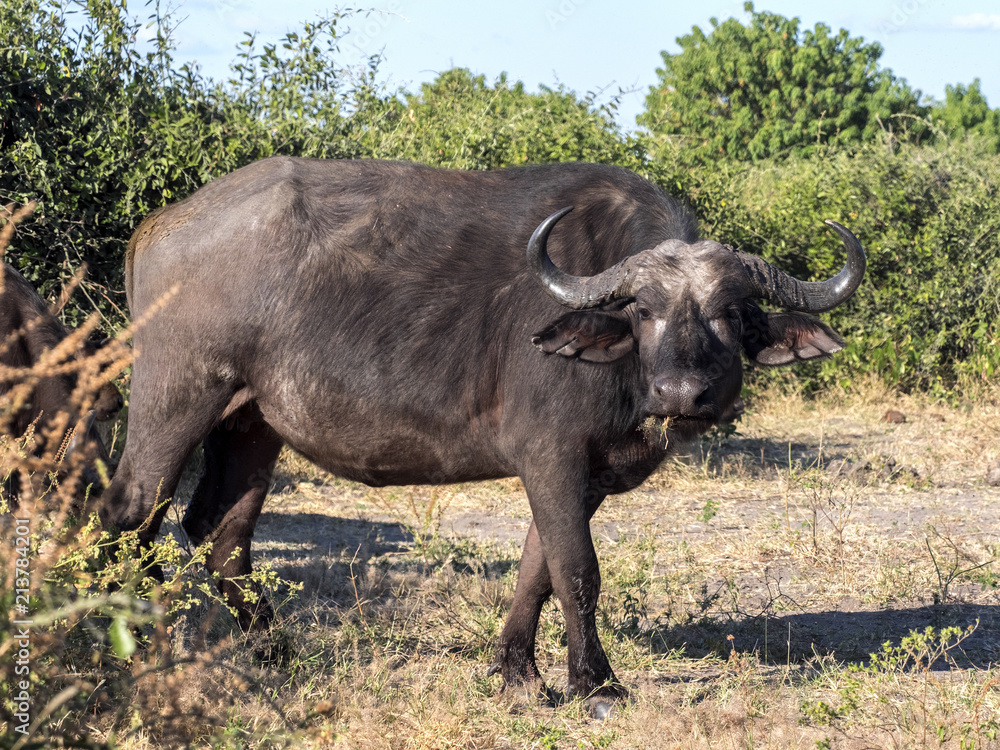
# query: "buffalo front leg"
515,659
239,463
562,511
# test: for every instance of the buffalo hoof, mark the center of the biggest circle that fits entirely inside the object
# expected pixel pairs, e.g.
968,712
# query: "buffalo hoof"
155,571
599,708
534,693
255,618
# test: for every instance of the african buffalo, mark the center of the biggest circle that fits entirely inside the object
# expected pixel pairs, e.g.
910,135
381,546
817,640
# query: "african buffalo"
382,319
27,332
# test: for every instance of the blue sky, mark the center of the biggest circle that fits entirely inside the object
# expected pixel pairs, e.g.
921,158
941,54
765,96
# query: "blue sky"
594,45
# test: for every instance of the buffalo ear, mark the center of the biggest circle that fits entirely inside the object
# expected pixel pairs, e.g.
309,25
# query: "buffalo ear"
589,335
784,338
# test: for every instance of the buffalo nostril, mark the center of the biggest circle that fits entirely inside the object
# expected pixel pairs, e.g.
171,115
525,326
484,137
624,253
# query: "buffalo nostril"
688,387
681,396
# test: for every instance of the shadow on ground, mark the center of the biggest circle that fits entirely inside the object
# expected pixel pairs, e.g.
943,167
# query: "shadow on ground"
844,635
296,544
289,536
856,456
341,560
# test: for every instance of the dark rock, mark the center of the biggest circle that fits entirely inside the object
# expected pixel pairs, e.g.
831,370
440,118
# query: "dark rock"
891,471
993,474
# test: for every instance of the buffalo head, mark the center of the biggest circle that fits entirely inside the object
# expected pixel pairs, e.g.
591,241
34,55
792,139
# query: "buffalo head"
689,310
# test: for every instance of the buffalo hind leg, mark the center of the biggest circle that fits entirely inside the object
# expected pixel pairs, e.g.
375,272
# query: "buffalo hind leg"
239,463
515,658
164,427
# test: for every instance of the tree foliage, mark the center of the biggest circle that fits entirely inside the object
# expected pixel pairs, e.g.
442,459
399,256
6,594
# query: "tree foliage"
929,218
965,112
460,120
73,111
761,89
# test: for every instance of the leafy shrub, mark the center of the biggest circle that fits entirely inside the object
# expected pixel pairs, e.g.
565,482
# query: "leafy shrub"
762,89
71,121
964,112
460,121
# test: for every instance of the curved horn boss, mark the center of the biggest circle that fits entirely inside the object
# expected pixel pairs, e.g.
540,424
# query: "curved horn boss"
577,292
791,293
764,280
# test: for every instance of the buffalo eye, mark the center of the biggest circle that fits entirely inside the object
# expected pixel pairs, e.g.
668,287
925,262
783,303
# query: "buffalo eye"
644,313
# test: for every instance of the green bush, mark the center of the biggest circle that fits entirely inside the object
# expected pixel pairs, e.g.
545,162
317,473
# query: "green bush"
72,113
964,112
460,121
100,134
764,89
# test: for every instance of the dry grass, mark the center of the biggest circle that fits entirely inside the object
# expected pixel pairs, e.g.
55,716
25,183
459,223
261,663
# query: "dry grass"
73,611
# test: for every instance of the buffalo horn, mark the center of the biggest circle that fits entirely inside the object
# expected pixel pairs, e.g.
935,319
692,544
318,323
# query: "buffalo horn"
577,292
767,282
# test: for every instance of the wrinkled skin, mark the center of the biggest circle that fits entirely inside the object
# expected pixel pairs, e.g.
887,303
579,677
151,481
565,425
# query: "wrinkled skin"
380,319
27,331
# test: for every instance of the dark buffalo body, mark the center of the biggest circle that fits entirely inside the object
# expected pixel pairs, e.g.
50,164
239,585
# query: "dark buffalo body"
27,332
383,320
